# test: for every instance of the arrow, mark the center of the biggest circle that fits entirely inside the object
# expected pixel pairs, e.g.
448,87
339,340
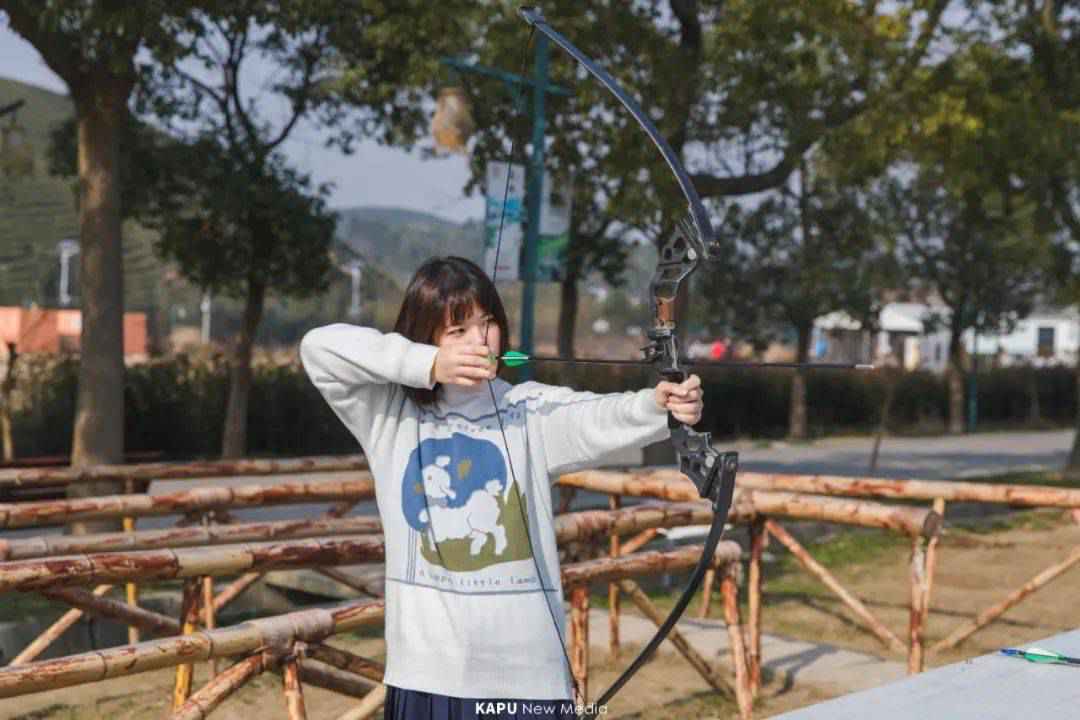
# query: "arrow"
513,358
1038,655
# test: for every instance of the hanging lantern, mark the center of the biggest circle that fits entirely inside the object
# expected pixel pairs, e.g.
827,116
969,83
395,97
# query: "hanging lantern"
452,124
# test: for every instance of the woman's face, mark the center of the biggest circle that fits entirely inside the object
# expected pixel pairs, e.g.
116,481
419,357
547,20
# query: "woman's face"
479,328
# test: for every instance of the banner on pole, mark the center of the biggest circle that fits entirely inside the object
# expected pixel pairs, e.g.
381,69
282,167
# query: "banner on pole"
555,206
495,191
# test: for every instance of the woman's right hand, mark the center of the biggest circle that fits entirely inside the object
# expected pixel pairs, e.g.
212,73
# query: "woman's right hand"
463,364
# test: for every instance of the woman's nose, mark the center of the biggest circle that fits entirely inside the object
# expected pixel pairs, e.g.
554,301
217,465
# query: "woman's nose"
478,334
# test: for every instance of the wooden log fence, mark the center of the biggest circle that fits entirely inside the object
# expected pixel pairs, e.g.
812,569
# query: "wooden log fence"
768,491
202,550
283,634
279,632
941,493
759,509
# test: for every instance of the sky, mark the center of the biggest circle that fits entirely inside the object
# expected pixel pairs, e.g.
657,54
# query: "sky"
372,175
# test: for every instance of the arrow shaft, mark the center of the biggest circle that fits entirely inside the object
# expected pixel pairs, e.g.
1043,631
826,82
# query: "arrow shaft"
736,364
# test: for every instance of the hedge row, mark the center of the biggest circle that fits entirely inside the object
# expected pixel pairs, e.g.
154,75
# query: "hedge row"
177,405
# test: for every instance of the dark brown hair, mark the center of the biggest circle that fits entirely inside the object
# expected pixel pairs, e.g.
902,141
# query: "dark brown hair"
446,288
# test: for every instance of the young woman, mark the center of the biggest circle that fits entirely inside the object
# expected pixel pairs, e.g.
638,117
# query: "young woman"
463,464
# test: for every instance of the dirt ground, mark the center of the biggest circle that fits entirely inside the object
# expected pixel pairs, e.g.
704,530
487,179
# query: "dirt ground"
975,569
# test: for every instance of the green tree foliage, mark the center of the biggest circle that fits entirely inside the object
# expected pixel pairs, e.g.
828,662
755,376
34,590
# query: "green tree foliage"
960,200
237,219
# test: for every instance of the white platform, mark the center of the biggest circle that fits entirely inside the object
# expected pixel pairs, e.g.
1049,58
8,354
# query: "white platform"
990,687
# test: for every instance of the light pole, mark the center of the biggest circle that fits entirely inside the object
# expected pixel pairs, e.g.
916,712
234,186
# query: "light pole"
68,249
205,307
355,270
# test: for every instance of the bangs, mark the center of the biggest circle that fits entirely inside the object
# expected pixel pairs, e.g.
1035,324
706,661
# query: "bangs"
446,291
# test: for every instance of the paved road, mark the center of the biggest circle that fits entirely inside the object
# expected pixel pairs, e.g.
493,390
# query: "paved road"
930,458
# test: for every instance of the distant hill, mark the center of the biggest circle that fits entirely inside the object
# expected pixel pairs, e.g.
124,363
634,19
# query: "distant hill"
399,239
37,211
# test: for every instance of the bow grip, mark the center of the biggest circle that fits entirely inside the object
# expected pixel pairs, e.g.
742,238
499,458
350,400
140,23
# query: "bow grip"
675,376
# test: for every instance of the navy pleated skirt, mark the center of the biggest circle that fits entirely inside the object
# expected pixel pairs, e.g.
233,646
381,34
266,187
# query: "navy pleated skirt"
415,705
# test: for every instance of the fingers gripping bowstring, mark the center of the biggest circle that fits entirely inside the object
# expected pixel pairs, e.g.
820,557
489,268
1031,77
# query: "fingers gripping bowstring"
545,591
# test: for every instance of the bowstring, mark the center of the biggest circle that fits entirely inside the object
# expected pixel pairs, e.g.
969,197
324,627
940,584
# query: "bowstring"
545,591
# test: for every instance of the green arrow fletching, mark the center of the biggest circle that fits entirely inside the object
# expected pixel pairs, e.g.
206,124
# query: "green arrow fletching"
513,358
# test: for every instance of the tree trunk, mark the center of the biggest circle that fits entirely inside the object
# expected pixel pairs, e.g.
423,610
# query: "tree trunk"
891,380
1034,409
234,436
956,383
98,435
7,388
1072,467
568,308
797,428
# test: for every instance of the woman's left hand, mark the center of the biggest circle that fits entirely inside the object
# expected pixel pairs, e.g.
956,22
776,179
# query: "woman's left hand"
682,400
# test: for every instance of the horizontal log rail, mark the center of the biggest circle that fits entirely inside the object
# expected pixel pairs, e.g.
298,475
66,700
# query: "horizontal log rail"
652,562
950,491
279,632
60,512
198,470
146,565
194,536
673,486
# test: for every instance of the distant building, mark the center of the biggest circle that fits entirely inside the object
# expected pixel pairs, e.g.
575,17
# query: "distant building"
1046,337
42,330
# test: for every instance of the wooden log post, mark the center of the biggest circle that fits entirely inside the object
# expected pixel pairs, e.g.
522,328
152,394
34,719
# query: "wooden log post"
345,660
131,590
639,541
969,628
579,639
294,692
817,570
189,617
54,631
759,540
221,687
706,592
209,615
334,679
613,591
154,623
931,561
234,589
916,629
729,589
710,674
